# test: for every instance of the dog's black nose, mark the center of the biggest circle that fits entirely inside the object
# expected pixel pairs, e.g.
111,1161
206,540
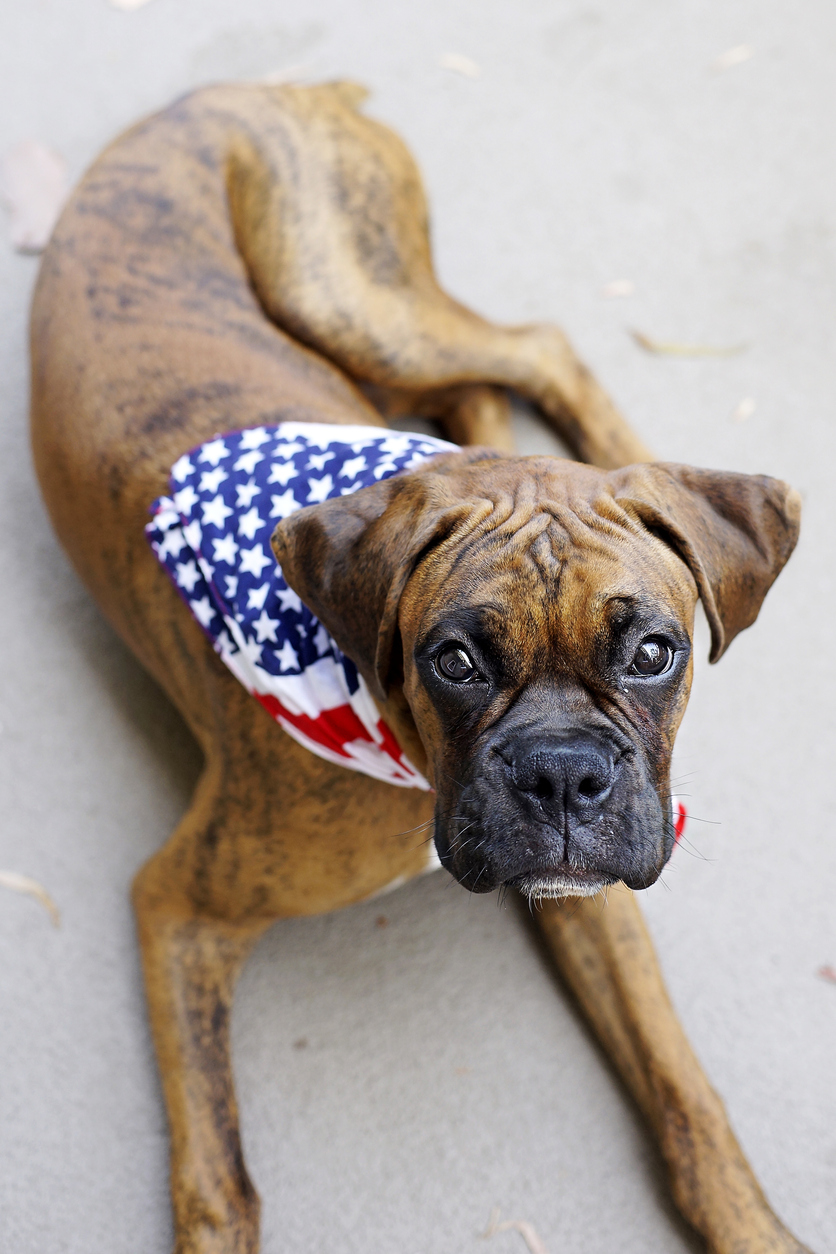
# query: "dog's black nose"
573,777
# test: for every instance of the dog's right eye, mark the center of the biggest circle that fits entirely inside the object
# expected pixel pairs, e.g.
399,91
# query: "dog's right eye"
654,656
455,664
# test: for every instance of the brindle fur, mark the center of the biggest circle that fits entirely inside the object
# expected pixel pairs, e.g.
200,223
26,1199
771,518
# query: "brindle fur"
254,254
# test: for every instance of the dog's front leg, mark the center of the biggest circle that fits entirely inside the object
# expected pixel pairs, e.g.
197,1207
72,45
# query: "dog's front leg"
191,964
605,954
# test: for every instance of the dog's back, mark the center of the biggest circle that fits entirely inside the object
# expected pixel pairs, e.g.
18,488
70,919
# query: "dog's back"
147,337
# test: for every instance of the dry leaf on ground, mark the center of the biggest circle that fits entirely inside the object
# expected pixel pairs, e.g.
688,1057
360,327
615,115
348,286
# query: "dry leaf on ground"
672,348
287,74
744,410
827,973
34,185
459,65
23,884
734,56
618,287
526,1230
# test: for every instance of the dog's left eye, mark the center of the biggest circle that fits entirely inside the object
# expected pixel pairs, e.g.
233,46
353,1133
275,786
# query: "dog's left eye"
454,663
654,656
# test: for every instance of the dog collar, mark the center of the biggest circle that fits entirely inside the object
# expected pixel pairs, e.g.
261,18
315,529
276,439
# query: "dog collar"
212,535
680,820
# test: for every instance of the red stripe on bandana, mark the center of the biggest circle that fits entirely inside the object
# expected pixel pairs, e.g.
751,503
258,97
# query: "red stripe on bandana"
390,744
333,729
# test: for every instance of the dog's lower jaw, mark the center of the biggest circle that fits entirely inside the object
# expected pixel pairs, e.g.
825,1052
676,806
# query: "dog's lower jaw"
572,882
533,858
563,880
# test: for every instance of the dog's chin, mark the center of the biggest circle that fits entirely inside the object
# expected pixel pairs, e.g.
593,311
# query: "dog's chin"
561,882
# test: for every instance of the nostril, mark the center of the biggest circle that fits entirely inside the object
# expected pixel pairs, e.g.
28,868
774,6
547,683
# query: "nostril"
543,789
590,787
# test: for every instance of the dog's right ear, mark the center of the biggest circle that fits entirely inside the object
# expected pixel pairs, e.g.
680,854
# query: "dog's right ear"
349,558
734,532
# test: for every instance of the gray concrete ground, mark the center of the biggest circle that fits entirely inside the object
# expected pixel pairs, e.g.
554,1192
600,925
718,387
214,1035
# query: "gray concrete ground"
444,1074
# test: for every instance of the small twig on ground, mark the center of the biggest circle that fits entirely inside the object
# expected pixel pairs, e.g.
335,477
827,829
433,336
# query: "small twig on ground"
288,74
526,1230
618,287
23,884
672,348
734,56
459,65
744,410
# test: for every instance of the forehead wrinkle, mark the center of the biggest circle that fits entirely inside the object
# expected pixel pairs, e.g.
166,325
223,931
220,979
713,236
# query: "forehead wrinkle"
518,526
510,559
645,570
487,521
494,601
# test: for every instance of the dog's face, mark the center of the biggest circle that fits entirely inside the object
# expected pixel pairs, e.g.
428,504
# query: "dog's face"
538,615
548,691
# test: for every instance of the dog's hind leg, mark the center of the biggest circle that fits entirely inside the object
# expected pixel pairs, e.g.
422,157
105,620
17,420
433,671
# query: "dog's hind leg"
477,414
606,956
474,413
191,960
331,220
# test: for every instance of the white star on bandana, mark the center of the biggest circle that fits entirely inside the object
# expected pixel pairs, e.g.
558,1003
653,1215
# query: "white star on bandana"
213,451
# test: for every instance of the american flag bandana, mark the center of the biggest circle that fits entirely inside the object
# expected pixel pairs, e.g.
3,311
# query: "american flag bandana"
212,535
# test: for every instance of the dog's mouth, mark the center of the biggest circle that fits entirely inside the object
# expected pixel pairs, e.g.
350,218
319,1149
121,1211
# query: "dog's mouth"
564,880
600,821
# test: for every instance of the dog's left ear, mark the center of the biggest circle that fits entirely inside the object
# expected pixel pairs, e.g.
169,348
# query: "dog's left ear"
734,532
349,558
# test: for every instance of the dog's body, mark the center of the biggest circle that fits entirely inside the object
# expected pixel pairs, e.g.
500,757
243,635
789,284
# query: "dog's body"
510,616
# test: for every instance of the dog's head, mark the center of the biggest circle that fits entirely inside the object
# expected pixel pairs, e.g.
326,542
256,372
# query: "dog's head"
537,615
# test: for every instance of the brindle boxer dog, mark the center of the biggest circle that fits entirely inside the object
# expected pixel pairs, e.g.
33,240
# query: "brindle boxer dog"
257,253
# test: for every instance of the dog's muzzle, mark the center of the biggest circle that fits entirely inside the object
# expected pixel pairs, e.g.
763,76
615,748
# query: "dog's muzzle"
555,815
